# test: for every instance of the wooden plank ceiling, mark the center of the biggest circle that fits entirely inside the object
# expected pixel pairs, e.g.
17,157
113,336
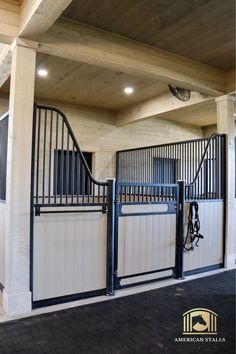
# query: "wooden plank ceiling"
15,2
78,83
184,27
201,30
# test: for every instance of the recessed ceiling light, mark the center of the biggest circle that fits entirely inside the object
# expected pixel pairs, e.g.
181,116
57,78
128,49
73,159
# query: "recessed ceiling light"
128,90
43,72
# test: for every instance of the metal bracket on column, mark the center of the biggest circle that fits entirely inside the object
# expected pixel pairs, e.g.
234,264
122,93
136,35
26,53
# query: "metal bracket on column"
37,211
104,208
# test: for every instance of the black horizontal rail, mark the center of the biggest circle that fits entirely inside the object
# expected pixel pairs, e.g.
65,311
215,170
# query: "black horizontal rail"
145,193
71,211
162,145
145,273
140,184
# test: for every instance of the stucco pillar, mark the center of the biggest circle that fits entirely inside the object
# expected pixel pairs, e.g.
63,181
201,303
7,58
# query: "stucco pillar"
226,125
17,295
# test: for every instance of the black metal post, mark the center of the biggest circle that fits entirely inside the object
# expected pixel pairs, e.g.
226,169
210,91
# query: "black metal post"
110,279
32,197
180,231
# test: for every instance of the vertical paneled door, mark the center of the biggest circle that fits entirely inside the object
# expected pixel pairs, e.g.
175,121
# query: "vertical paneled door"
148,233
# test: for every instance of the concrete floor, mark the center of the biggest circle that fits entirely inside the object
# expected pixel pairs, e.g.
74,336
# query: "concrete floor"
147,322
120,293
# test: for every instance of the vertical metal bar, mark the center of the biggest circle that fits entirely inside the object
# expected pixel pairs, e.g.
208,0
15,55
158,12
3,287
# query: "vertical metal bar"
73,174
62,161
169,164
116,233
149,165
223,167
78,176
93,192
217,167
192,150
110,276
50,158
210,170
104,194
44,154
32,188
56,164
214,168
177,177
180,230
202,172
198,162
67,166
38,154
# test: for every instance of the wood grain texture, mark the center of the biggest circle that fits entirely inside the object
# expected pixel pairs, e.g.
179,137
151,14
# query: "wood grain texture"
165,104
89,45
5,63
201,114
37,16
202,30
74,82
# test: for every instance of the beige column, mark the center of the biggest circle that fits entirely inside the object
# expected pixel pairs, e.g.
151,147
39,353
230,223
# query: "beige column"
17,295
226,125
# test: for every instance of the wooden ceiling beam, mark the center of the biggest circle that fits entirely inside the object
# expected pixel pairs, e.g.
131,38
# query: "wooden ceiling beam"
231,81
5,63
30,20
9,21
81,43
37,16
155,107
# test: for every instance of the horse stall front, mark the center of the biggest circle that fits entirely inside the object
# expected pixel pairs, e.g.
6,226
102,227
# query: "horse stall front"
69,218
201,165
91,238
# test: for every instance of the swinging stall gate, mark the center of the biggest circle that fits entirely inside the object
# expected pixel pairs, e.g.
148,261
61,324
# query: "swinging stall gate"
90,238
149,221
201,164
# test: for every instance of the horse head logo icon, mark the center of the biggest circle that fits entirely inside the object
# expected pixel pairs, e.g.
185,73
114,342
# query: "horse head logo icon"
200,321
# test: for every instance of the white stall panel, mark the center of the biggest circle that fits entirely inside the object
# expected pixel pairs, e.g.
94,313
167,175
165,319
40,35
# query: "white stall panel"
146,243
69,254
210,250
